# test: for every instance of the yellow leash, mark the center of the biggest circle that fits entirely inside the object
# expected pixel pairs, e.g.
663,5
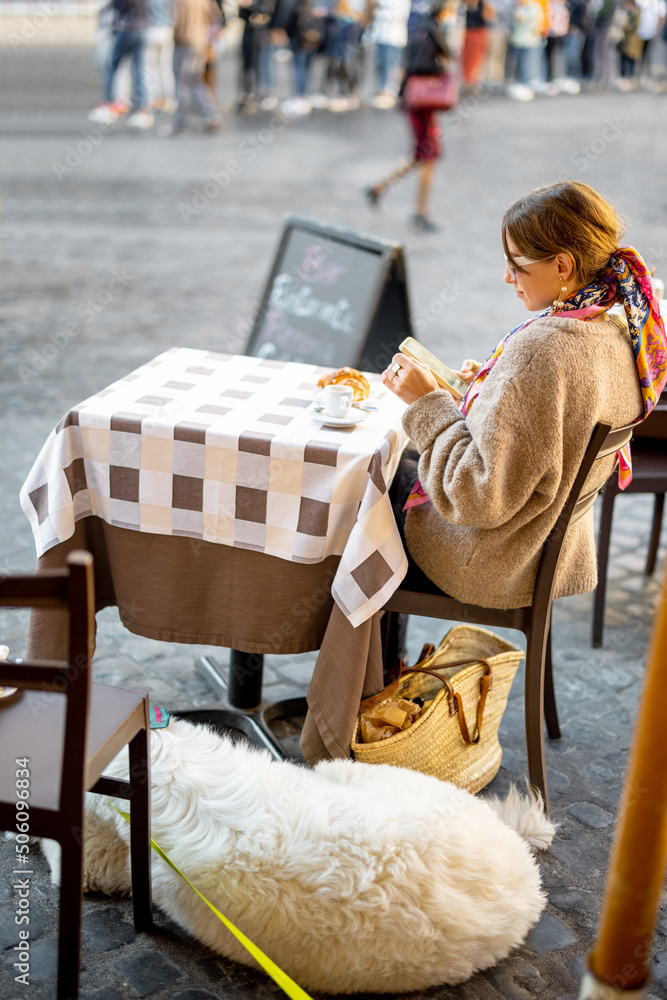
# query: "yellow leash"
288,985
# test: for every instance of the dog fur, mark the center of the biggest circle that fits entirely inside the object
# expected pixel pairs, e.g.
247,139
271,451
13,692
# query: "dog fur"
352,877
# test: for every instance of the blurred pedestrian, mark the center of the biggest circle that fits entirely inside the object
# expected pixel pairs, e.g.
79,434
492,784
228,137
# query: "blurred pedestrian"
559,25
388,31
213,53
344,51
651,22
426,55
419,9
257,18
575,40
525,47
479,15
160,56
192,25
304,31
630,45
606,36
499,32
130,24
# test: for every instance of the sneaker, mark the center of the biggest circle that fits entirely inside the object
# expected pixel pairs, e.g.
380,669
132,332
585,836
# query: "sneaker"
319,101
213,124
424,225
383,100
247,105
103,114
353,102
520,92
140,119
269,102
337,104
568,85
294,107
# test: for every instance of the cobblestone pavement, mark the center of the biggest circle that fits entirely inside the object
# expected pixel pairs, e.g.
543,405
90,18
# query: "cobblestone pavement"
117,205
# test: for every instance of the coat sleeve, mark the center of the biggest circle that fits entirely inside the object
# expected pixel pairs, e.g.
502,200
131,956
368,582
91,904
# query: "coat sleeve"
441,42
504,460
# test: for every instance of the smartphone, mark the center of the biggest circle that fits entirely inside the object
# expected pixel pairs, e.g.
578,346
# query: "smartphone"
444,376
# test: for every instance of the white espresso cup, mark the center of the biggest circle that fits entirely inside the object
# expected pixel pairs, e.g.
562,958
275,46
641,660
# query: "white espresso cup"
337,400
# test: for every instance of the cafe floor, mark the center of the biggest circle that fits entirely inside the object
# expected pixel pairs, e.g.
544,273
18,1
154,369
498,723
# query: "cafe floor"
63,237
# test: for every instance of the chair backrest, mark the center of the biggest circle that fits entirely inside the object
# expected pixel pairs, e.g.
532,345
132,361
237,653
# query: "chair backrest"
71,589
605,440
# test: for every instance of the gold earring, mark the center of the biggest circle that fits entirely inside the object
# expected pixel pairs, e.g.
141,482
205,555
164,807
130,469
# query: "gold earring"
557,302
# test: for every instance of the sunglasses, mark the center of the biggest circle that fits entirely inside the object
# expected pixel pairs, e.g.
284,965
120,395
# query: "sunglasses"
521,262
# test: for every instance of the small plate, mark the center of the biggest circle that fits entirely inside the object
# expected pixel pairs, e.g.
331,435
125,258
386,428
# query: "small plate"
352,417
7,692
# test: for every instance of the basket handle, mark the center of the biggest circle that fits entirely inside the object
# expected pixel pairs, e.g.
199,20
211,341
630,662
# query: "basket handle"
453,697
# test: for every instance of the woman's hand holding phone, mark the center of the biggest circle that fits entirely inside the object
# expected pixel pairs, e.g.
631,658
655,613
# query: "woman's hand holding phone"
411,380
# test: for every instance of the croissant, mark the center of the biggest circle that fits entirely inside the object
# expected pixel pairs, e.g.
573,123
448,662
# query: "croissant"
348,376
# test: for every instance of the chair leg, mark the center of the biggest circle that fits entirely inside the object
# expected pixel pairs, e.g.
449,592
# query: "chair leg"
608,497
550,710
393,631
534,709
69,930
655,533
140,830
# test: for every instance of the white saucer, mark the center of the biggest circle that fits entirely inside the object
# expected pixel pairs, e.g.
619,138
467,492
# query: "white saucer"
352,417
7,692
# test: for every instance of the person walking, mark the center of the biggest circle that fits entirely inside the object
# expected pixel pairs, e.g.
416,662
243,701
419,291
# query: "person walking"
499,32
651,21
160,56
630,46
559,25
426,56
192,25
388,30
304,31
479,15
258,18
525,44
346,27
606,35
130,24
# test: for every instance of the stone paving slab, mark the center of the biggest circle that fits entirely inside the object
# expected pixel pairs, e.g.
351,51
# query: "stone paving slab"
197,282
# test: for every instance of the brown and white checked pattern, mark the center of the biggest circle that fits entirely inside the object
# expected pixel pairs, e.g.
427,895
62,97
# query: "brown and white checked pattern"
221,447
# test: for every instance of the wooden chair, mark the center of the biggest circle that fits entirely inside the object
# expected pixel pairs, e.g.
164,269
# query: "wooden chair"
649,475
418,596
61,731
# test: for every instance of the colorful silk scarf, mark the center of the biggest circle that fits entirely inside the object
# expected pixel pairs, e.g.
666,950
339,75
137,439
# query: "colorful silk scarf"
626,277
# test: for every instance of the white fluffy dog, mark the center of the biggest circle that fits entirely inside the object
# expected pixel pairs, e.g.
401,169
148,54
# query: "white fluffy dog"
352,877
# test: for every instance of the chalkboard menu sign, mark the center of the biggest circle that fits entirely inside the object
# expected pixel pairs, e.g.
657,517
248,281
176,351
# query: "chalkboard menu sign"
335,296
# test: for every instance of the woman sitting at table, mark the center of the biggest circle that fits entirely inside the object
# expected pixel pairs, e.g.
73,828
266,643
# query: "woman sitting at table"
495,471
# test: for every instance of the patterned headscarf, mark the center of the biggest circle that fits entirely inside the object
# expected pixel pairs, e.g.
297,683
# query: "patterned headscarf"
626,278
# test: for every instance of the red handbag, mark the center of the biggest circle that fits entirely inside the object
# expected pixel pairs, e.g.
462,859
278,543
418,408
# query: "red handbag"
431,93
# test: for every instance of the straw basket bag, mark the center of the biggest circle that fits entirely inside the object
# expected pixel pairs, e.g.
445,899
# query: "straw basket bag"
456,738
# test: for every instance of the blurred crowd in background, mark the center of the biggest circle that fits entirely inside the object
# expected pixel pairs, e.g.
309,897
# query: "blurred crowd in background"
158,59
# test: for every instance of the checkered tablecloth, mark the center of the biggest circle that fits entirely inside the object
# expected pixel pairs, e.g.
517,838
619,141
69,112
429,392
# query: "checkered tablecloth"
222,448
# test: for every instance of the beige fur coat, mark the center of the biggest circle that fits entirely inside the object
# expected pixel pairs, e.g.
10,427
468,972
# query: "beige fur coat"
498,478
